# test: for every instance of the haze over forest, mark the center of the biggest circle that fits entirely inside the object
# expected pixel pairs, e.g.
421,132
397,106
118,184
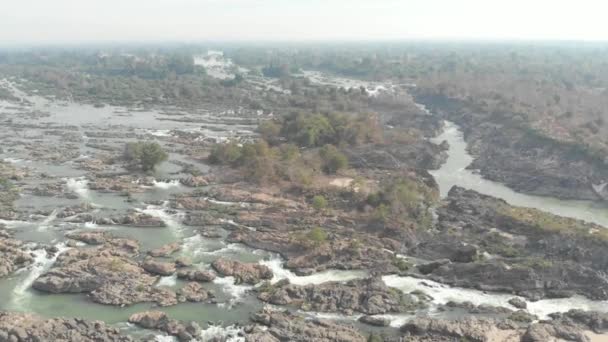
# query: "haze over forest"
67,21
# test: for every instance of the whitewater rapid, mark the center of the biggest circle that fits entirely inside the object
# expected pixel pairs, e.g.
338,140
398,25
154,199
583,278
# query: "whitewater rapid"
79,186
276,265
172,221
42,263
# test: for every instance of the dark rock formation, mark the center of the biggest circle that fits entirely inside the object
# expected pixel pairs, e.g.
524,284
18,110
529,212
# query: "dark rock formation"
368,296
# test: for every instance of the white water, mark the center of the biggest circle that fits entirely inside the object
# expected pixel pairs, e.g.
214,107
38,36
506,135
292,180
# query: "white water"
230,249
454,172
47,221
214,201
168,281
276,265
159,132
228,334
171,221
236,292
167,185
14,223
79,187
232,223
90,225
42,262
191,245
442,294
13,160
372,88
331,315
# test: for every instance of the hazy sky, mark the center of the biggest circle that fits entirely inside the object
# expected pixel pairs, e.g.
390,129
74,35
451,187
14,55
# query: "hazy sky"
52,21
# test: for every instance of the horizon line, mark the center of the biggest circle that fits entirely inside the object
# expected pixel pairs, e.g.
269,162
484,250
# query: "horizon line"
470,40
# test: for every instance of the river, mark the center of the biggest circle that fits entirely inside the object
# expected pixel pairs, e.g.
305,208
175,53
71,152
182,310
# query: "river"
235,302
455,172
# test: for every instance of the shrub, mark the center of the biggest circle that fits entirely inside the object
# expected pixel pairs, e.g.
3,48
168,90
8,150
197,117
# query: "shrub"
402,264
4,184
381,214
289,152
311,130
269,130
229,153
260,169
332,159
375,338
317,235
319,203
315,129
145,154
402,199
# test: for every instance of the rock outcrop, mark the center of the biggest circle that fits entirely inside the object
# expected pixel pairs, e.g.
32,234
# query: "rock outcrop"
250,273
196,275
193,292
368,296
13,255
107,272
29,327
165,250
158,320
285,326
158,267
531,253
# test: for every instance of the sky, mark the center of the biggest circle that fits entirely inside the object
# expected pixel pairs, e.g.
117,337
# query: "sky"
80,21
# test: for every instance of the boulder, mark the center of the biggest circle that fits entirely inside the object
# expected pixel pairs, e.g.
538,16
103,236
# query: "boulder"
166,250
286,326
13,255
375,321
149,319
184,331
429,267
251,273
196,275
158,267
467,329
183,262
368,296
29,327
194,181
106,272
518,303
193,292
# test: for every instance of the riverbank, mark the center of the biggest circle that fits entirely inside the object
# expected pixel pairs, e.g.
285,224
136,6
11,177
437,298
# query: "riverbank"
509,152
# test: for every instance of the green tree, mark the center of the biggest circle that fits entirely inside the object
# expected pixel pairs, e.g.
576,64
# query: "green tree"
269,130
147,155
289,152
229,153
309,130
332,159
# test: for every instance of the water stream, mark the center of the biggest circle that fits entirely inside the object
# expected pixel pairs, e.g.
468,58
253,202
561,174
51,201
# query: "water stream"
455,172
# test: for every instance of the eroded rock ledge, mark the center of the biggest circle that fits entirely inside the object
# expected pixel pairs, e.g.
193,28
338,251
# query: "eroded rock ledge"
28,327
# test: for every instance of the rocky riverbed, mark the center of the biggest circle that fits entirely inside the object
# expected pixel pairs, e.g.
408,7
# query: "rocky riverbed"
92,250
